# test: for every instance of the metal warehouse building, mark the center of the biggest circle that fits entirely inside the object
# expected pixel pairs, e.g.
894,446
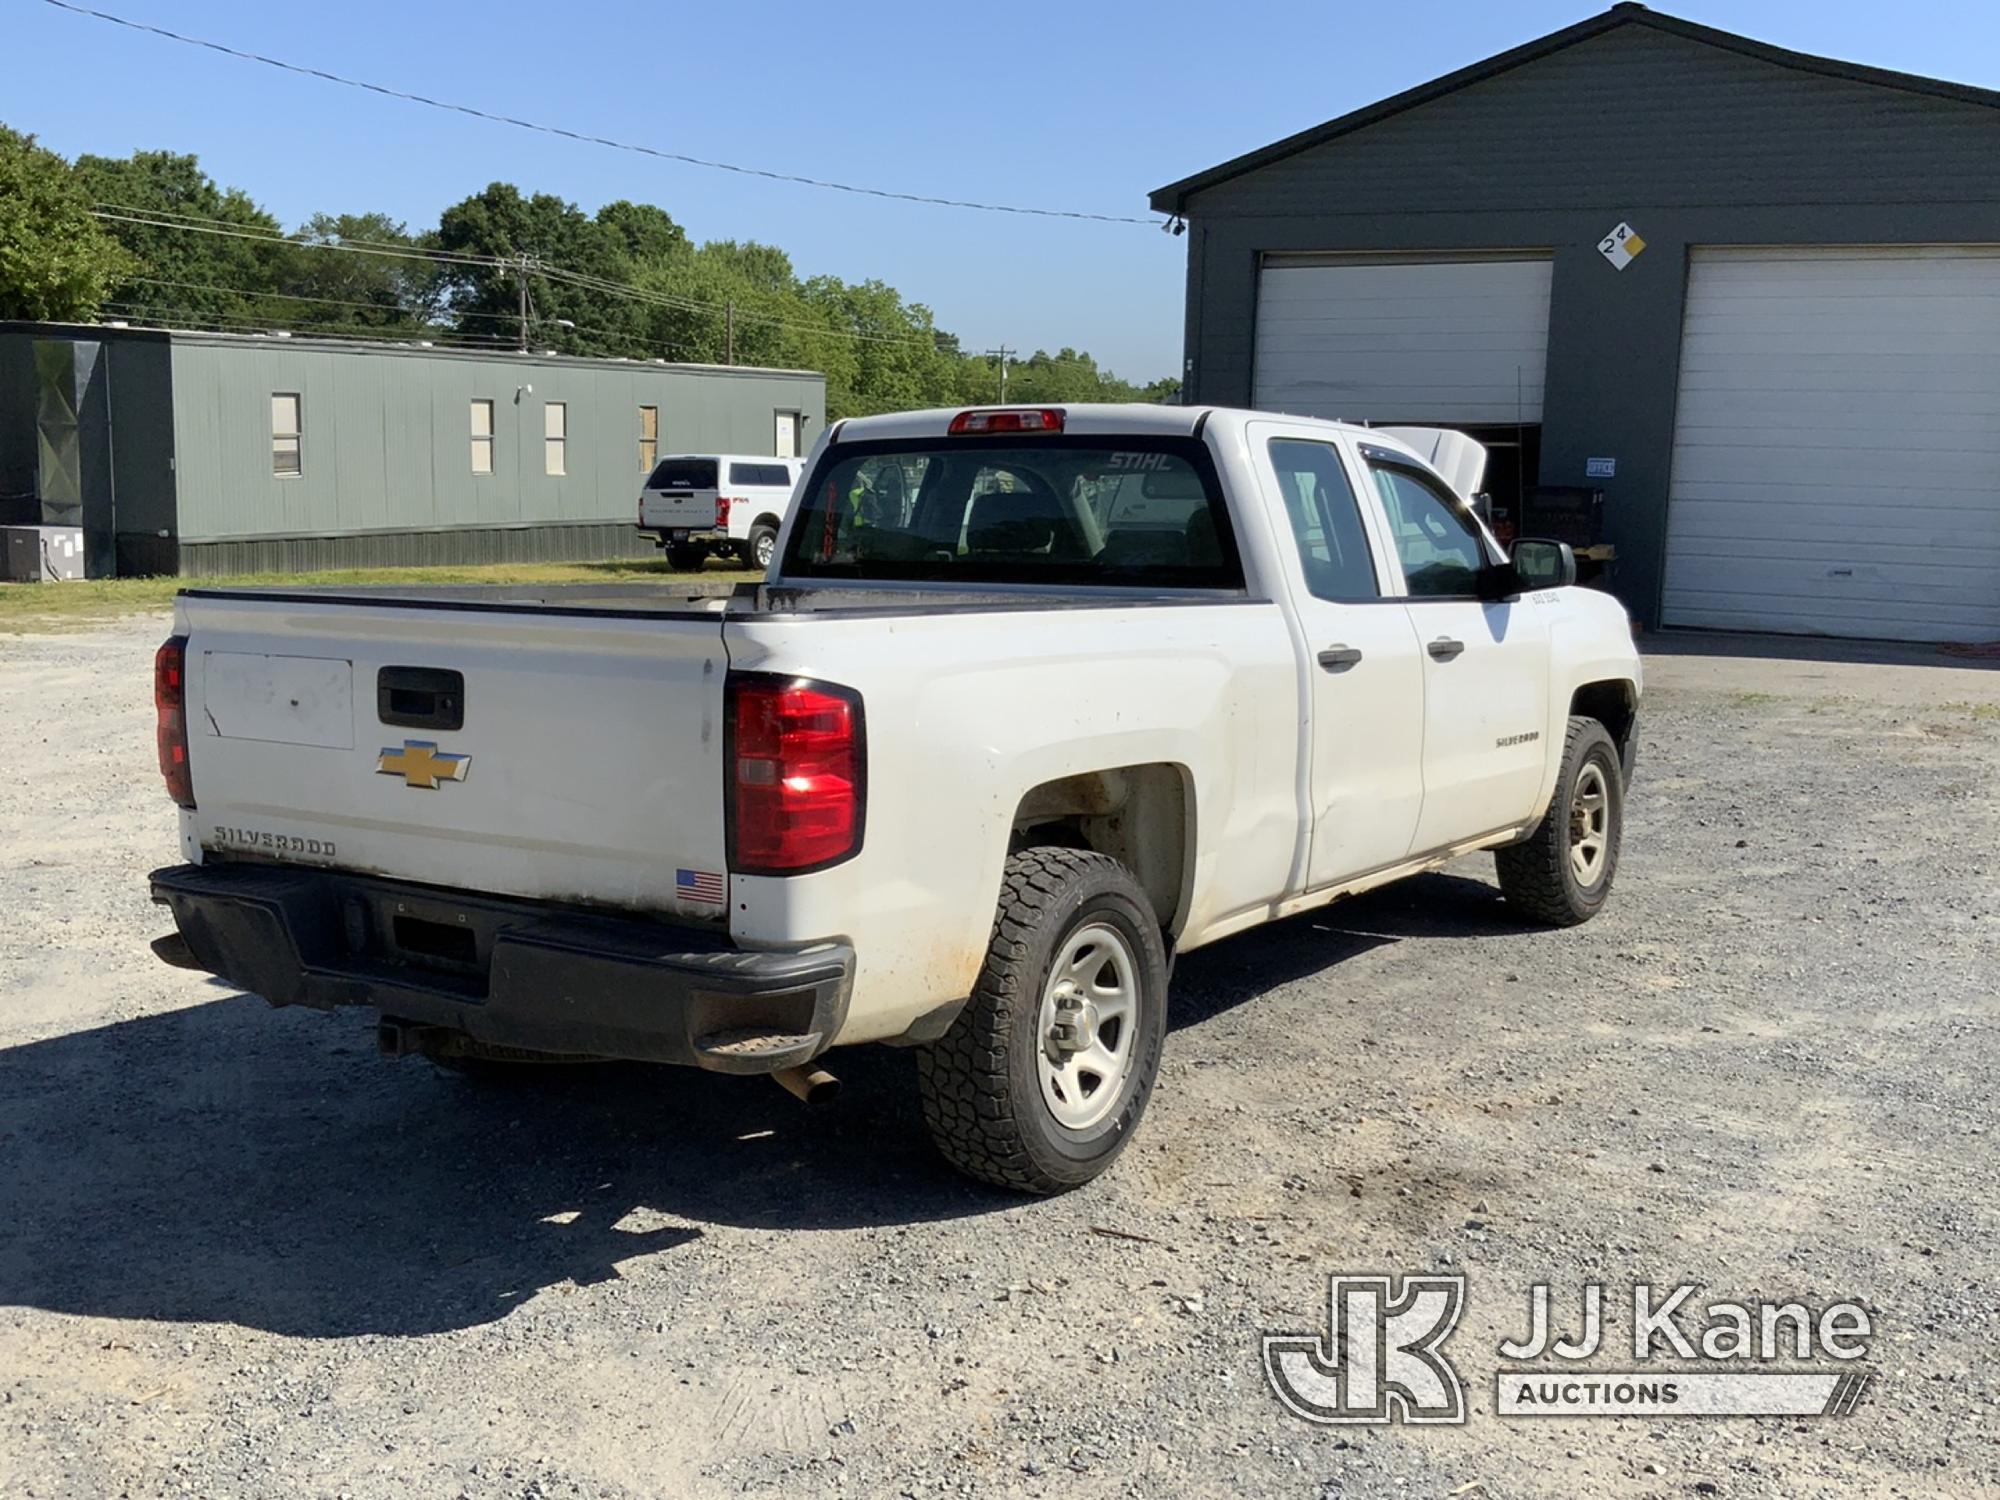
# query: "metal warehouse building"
1753,296
202,453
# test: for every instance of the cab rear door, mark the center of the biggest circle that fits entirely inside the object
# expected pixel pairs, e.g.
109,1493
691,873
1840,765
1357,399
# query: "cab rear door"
1363,681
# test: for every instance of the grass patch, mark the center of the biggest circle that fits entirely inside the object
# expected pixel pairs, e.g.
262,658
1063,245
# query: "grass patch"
26,607
1989,711
1753,700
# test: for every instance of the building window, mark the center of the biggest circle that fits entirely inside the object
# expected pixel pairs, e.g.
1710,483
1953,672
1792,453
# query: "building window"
287,454
649,438
482,437
555,436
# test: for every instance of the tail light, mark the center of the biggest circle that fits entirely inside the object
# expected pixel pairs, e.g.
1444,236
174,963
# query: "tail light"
797,763
170,706
722,504
1015,419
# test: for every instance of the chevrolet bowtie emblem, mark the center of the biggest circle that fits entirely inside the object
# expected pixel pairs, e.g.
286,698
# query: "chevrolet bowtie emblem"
420,763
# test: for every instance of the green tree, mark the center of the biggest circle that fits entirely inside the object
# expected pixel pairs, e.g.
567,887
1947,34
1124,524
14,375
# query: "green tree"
191,272
349,291
568,246
56,262
643,234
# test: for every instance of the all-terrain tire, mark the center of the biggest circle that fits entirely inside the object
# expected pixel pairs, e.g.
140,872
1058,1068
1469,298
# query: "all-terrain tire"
982,1091
1539,876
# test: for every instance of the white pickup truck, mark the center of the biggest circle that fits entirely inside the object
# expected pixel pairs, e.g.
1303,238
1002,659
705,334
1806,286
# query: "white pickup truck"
1030,701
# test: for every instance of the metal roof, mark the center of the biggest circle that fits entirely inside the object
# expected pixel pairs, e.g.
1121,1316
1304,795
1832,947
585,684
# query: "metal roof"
1172,199
402,348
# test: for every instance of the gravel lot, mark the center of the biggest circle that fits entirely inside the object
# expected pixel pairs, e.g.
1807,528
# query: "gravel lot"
242,1256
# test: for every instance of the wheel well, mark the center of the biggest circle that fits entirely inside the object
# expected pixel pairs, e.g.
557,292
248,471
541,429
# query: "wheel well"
767,519
1615,705
1138,815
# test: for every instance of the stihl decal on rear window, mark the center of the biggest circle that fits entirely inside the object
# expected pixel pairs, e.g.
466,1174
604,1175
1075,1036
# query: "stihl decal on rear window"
1023,509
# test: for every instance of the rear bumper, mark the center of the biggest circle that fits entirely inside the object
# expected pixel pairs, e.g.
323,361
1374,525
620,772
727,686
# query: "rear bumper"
711,533
508,973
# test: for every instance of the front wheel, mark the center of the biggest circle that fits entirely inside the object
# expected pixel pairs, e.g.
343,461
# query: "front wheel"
1561,873
1043,1076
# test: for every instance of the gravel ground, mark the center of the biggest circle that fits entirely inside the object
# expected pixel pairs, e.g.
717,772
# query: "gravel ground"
242,1256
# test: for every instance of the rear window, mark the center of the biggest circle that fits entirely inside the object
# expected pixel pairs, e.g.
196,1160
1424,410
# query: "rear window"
1090,510
683,474
774,475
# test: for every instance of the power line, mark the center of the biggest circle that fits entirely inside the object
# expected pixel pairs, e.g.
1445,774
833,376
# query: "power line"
236,291
194,225
585,137
151,218
166,317
302,236
679,303
643,295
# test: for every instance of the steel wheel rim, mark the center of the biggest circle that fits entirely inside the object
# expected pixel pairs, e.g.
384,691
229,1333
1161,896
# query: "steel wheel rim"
1589,824
1087,1034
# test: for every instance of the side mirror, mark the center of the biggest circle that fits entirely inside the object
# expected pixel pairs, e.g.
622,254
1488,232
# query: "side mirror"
1498,581
1544,564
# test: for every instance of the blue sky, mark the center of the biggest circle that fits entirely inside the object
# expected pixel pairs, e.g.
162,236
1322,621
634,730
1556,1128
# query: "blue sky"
1087,106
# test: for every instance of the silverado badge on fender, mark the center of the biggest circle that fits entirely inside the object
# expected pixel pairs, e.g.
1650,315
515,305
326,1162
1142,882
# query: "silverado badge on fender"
421,764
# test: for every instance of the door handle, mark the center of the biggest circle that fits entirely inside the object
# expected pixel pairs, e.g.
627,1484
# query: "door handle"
1444,648
420,697
1339,658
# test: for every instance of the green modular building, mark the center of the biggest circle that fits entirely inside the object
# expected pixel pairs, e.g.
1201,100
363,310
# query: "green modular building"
208,453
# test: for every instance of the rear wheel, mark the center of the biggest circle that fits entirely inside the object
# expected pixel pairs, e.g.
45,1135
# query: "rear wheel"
761,545
685,557
1044,1075
1561,873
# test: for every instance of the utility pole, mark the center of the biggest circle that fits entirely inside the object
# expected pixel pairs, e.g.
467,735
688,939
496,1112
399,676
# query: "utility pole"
1002,352
729,332
521,276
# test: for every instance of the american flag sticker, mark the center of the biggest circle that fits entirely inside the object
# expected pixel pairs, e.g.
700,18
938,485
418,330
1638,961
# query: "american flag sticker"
699,885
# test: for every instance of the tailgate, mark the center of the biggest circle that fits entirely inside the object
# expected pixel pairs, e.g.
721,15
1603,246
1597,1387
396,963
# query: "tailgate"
678,510
565,755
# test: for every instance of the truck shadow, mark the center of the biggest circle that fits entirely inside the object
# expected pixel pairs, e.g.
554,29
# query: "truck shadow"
1236,970
226,1163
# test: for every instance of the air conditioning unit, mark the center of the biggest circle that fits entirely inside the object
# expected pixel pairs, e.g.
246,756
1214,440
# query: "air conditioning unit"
41,554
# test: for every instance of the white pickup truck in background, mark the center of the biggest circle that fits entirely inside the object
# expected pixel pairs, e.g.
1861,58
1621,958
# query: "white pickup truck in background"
1030,700
726,504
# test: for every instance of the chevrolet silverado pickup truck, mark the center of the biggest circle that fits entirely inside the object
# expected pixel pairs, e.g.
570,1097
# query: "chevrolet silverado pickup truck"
1030,701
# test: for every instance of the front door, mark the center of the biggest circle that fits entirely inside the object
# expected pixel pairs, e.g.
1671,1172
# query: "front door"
1364,671
1485,664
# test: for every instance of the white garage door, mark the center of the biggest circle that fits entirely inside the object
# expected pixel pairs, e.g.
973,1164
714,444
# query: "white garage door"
1837,444
1462,341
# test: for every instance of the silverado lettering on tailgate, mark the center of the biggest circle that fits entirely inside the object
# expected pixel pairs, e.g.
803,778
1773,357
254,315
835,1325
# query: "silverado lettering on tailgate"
275,843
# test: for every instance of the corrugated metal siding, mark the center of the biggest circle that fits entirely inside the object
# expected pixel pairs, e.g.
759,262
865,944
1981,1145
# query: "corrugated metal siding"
453,547
387,435
1448,341
1837,453
1637,116
17,418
